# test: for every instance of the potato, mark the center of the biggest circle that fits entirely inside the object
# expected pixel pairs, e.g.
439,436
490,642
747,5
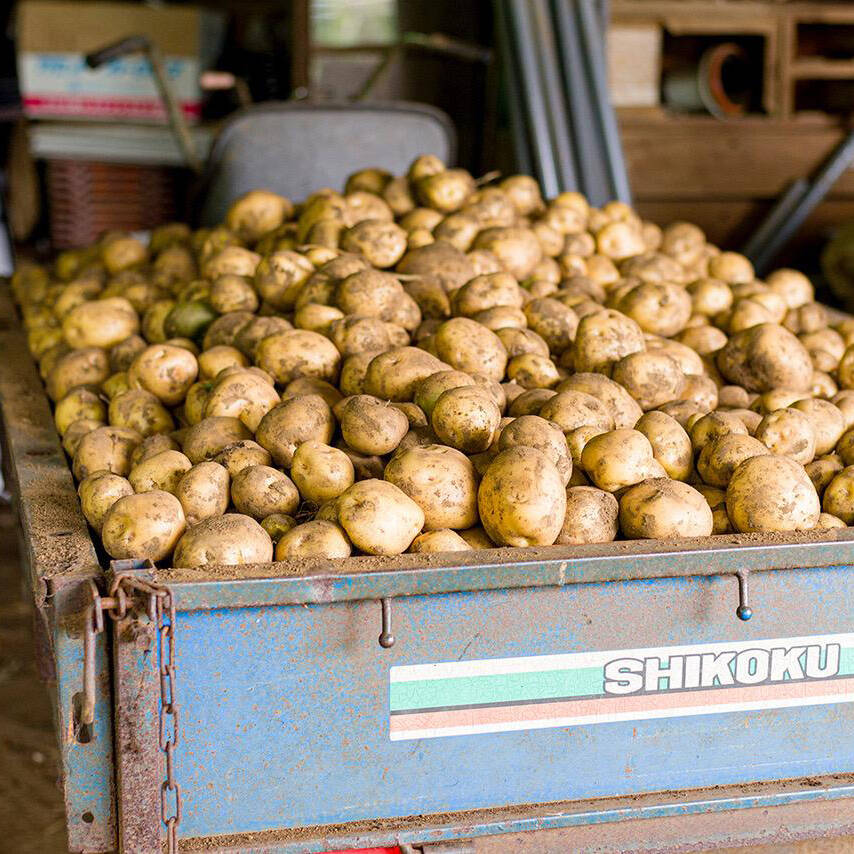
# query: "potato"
622,407
203,491
443,540
428,390
164,370
651,378
671,445
312,385
530,512
573,409
203,441
395,374
382,244
98,492
532,431
660,508
219,357
788,432
709,427
441,481
161,471
772,493
316,538
123,353
236,260
827,522
591,516
76,431
378,517
603,339
242,395
321,472
294,421
720,457
80,402
141,411
619,458
152,445
469,347
256,213
445,191
298,353
86,367
794,287
371,426
277,525
838,498
261,490
226,540
145,526
487,291
100,323
466,418
517,249
827,421
766,357
105,448
661,308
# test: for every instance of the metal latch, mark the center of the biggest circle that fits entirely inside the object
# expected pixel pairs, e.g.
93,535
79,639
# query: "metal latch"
129,584
743,611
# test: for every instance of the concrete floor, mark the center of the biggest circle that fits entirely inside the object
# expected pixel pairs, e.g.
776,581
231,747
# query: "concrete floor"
31,809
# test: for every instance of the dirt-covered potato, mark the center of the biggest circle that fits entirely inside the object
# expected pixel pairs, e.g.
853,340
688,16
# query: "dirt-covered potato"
827,421
87,367
203,441
619,458
720,457
259,491
100,323
532,431
80,402
378,517
141,411
708,427
821,471
531,511
602,339
441,481
316,538
164,370
105,448
233,293
660,508
772,493
294,421
671,445
256,213
226,540
98,493
395,374
241,454
298,353
466,418
243,395
203,491
788,432
443,540
216,359
143,526
76,431
591,516
766,357
372,426
381,243
838,498
467,346
152,445
162,471
622,407
428,390
651,378
321,472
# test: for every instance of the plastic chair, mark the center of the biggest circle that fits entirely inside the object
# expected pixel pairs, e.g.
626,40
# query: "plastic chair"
295,148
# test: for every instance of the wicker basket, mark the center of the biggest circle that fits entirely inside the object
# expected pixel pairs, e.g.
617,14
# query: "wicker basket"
87,198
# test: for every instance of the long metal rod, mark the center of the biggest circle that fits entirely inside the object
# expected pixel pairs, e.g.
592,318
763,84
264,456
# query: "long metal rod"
522,38
593,53
840,159
756,246
559,125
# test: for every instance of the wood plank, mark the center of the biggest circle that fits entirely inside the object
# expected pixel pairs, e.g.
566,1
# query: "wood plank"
823,69
706,158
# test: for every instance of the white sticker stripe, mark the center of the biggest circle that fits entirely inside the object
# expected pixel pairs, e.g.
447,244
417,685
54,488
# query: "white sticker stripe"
616,717
579,660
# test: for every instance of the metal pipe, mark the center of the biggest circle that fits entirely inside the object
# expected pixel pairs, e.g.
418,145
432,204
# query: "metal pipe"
755,248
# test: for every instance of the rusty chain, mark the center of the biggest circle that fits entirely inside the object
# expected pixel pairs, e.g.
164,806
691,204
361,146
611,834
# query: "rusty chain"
160,603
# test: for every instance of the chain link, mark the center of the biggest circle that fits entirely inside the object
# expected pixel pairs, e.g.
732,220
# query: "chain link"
161,605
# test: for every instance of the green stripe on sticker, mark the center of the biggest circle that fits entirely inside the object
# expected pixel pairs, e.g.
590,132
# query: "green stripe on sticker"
496,688
846,662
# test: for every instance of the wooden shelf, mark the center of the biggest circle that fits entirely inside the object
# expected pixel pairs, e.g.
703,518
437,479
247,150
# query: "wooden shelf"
822,69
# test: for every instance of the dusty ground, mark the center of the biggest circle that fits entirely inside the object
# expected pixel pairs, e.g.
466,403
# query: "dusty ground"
31,812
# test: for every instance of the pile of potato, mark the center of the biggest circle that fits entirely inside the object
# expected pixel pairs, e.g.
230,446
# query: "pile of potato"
425,364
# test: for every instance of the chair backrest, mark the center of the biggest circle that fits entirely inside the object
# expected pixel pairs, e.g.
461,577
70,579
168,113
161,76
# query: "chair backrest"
295,148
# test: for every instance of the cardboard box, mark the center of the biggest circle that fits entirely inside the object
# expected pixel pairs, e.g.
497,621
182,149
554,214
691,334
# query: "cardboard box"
53,36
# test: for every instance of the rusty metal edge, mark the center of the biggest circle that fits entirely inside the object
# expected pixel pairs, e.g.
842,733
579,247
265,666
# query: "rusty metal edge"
56,545
479,823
